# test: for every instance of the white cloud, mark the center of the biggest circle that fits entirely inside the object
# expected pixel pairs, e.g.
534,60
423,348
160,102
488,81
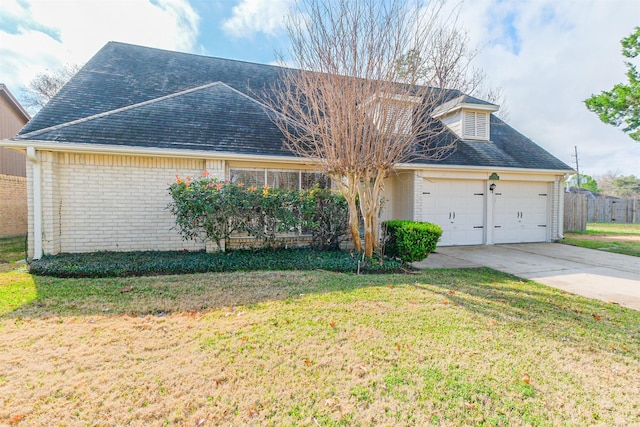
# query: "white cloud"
40,34
257,16
549,56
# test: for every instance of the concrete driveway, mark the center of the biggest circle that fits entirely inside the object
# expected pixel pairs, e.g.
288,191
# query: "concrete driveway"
591,273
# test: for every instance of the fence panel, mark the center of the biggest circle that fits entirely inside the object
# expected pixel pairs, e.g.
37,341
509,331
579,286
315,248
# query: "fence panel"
575,212
614,210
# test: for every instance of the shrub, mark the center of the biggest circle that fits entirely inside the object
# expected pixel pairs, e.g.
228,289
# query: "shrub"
410,240
210,210
324,213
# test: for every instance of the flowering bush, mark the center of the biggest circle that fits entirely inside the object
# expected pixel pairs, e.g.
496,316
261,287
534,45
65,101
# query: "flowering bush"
207,209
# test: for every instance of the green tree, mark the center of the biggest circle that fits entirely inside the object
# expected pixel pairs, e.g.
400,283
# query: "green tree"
590,184
621,105
626,187
586,182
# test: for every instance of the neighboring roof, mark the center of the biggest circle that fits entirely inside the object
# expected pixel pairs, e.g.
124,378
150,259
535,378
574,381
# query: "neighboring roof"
6,94
143,97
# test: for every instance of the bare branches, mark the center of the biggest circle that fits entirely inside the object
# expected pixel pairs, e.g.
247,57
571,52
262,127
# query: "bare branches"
367,79
46,84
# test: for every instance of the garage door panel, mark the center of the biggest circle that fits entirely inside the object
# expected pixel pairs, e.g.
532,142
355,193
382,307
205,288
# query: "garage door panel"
521,212
458,207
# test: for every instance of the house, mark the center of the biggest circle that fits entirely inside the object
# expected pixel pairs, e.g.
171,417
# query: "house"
13,172
102,153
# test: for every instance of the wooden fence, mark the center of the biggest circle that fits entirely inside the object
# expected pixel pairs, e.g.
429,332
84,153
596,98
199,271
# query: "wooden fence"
575,212
614,210
578,210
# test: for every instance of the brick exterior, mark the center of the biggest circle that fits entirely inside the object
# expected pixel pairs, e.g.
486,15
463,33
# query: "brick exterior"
110,203
13,209
119,203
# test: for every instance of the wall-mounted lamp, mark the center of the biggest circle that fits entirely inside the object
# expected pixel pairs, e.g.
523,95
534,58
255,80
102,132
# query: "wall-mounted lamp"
492,187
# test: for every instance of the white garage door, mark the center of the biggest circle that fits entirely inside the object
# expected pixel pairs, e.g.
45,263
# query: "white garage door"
520,212
458,207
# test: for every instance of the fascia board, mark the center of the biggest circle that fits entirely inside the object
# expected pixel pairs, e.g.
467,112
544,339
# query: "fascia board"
414,166
104,149
466,106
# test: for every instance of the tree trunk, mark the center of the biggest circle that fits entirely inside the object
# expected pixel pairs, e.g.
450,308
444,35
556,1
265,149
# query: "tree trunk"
350,193
369,235
370,192
354,226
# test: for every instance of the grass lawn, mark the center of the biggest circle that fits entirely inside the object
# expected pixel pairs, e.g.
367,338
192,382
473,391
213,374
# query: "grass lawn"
11,250
440,347
611,237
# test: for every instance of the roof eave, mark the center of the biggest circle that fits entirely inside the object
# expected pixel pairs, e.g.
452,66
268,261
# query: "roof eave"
491,108
105,149
414,166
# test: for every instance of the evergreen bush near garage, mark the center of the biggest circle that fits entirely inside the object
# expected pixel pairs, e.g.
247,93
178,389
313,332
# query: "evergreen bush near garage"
410,240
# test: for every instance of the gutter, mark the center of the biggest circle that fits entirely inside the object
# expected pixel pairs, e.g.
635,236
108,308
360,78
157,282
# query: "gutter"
203,154
37,202
71,147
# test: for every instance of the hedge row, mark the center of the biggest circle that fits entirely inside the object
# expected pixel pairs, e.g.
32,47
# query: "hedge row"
123,264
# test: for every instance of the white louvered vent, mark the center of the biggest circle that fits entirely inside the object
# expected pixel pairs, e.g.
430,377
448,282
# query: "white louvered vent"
476,125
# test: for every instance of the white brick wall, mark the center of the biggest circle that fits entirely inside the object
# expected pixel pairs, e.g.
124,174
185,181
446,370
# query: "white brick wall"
109,202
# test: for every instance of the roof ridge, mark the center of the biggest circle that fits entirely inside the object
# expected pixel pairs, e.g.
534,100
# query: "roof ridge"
265,106
118,110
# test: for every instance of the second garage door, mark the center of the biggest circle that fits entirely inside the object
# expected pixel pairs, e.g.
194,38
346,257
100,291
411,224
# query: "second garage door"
520,212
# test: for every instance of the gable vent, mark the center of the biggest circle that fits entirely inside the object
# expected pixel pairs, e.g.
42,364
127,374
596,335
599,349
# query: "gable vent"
476,125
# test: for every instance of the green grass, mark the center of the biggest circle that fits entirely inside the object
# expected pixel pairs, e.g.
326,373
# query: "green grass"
609,237
11,249
612,228
17,288
619,247
438,347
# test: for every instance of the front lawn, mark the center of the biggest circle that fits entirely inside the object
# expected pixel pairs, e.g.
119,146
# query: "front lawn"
440,347
11,250
611,237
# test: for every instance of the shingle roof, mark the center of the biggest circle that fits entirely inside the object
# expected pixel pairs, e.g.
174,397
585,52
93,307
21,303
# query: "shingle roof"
186,120
138,96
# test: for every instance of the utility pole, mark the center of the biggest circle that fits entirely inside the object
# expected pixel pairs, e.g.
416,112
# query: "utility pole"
577,166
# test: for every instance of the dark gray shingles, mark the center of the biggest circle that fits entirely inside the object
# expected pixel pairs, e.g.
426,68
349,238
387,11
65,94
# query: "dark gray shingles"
213,118
217,118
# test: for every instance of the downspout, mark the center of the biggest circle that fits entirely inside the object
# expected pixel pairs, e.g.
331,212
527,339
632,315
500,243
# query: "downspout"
37,203
560,199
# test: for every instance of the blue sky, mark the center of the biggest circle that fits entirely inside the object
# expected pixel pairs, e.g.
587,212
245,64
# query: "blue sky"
546,55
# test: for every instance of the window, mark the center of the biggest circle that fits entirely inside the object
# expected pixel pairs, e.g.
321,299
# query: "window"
248,177
278,178
393,112
395,116
476,125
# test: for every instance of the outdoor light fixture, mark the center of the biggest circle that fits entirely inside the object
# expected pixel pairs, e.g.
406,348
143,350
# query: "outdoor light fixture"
492,187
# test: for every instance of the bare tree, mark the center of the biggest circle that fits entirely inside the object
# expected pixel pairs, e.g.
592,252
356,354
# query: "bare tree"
349,107
448,64
605,181
46,84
